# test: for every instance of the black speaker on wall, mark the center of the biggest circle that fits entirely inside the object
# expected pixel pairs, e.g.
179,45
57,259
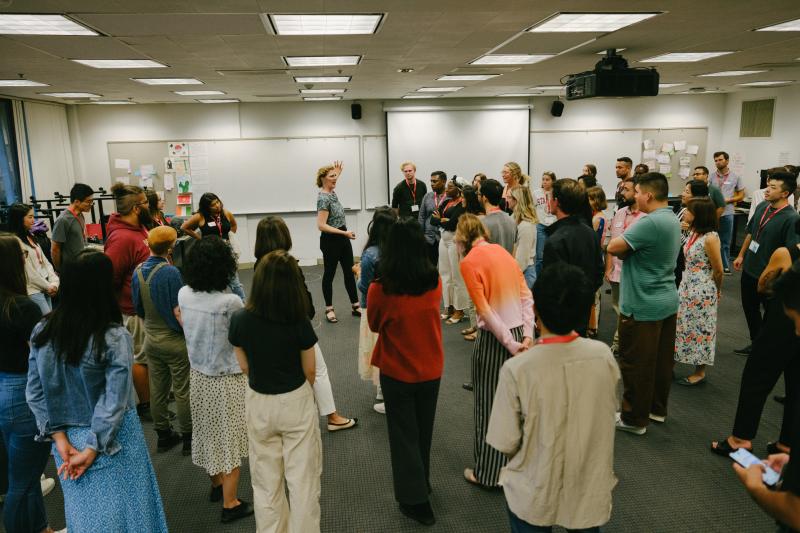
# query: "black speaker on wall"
557,108
355,111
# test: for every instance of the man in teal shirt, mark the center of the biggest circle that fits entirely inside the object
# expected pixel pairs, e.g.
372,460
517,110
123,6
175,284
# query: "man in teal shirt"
648,305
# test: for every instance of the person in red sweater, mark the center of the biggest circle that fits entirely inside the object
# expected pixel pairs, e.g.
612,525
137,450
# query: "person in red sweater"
404,311
126,245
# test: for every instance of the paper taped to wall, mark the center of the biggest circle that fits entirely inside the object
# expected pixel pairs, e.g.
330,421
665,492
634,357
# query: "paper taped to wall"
123,164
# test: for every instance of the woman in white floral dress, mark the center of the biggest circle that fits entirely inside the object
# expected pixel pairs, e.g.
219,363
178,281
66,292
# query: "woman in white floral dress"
696,334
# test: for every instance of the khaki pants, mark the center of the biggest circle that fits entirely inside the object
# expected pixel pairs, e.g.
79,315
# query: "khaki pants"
285,447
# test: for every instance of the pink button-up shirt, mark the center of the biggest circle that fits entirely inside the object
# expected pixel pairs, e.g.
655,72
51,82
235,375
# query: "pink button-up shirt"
623,219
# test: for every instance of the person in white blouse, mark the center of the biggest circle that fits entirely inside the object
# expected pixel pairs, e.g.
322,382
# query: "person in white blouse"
541,197
42,278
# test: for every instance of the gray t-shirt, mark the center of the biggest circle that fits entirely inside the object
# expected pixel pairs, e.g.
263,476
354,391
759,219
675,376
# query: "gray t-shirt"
728,183
68,231
502,229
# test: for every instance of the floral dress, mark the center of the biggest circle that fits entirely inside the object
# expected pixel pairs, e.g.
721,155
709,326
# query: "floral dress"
696,333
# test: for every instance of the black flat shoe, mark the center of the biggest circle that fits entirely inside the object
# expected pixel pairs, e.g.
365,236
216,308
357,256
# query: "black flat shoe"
240,511
356,311
421,512
466,386
772,448
723,449
685,382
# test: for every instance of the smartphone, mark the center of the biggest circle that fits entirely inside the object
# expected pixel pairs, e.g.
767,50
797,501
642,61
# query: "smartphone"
745,458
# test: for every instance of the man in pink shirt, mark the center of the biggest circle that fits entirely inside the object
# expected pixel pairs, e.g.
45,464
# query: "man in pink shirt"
627,214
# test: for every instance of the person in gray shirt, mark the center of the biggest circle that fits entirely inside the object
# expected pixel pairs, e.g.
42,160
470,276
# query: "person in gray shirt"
430,204
69,229
502,228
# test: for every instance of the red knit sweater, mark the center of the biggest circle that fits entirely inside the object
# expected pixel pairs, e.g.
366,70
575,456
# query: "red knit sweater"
409,344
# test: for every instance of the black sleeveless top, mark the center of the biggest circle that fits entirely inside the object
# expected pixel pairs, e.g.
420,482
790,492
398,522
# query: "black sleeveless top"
219,226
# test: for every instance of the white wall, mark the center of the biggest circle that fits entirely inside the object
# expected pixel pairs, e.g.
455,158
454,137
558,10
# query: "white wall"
49,148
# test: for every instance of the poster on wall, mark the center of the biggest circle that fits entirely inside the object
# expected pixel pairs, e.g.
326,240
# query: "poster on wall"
178,149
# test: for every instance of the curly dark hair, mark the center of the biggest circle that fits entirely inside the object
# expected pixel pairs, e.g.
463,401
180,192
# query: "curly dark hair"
210,265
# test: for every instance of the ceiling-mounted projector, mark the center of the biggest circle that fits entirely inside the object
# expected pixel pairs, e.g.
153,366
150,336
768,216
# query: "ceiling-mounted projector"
612,77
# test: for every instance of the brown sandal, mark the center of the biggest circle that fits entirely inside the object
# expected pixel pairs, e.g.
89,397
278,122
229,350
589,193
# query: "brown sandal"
330,316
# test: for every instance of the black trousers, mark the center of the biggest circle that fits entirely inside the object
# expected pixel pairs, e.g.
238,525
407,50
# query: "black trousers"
751,304
433,253
776,351
337,250
410,410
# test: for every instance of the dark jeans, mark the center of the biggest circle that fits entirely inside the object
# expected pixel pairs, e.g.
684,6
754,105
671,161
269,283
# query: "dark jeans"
410,410
725,237
337,250
776,351
23,510
751,304
519,525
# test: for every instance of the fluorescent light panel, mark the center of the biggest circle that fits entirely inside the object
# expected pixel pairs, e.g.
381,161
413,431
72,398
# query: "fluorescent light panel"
321,61
603,52
510,59
547,88
669,85
120,63
322,91
683,57
41,25
168,81
519,94
21,83
466,77
198,93
72,95
726,73
321,98
113,102
419,96
357,24
589,22
438,89
792,25
322,79
219,101
765,83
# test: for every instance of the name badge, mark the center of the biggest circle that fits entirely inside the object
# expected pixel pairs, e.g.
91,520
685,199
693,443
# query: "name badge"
211,224
414,208
753,247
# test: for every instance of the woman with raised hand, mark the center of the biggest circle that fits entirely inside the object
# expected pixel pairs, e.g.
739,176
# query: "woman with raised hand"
81,392
42,280
334,240
272,234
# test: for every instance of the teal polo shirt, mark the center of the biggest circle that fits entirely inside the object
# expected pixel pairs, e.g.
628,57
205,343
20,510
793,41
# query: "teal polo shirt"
647,286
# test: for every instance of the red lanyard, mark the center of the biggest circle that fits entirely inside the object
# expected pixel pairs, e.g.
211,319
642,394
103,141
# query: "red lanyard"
413,191
36,249
762,223
691,241
560,339
80,220
218,220
436,200
450,204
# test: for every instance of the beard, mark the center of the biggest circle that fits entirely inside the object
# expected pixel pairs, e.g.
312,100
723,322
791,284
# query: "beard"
145,218
624,202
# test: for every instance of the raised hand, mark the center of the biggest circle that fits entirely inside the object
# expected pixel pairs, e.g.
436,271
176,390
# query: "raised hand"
338,167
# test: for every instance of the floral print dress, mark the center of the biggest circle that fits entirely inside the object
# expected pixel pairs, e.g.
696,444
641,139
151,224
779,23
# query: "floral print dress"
696,333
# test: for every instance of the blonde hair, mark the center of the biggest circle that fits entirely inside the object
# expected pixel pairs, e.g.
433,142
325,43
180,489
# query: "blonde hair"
125,197
524,209
516,171
597,198
407,163
322,172
468,229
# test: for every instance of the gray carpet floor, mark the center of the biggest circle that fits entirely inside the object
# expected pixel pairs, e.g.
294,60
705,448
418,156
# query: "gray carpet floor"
668,480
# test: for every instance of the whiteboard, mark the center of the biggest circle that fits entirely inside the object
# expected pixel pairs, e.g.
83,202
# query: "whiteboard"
459,142
279,175
376,178
565,153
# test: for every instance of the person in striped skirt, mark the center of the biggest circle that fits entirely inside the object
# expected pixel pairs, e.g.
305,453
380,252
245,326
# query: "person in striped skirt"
504,306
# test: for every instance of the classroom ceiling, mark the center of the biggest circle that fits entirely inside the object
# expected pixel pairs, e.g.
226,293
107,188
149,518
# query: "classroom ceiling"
226,46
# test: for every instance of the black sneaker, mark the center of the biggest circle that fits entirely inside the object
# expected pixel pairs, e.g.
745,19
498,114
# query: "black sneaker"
167,439
143,410
727,271
744,351
240,511
421,512
187,445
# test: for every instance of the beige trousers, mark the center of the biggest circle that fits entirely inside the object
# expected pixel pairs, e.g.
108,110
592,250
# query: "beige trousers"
285,451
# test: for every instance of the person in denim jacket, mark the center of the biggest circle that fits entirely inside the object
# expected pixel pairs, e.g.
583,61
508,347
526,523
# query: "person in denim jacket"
80,391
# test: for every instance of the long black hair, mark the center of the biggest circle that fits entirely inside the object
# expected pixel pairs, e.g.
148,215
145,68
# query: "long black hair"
12,274
378,228
204,205
86,309
405,267
470,195
16,221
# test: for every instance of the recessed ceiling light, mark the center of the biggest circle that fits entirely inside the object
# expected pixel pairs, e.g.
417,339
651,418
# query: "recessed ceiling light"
323,24
438,89
219,101
120,63
322,79
72,95
792,25
520,94
322,91
669,85
41,25
197,93
419,96
113,102
683,57
603,52
321,61
726,73
168,81
765,83
510,59
21,83
321,98
547,88
589,22
466,77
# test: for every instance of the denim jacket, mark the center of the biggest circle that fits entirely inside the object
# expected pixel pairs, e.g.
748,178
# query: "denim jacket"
369,262
206,319
94,394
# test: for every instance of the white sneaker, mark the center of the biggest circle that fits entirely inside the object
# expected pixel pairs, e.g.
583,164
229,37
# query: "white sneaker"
636,430
380,408
47,484
658,418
